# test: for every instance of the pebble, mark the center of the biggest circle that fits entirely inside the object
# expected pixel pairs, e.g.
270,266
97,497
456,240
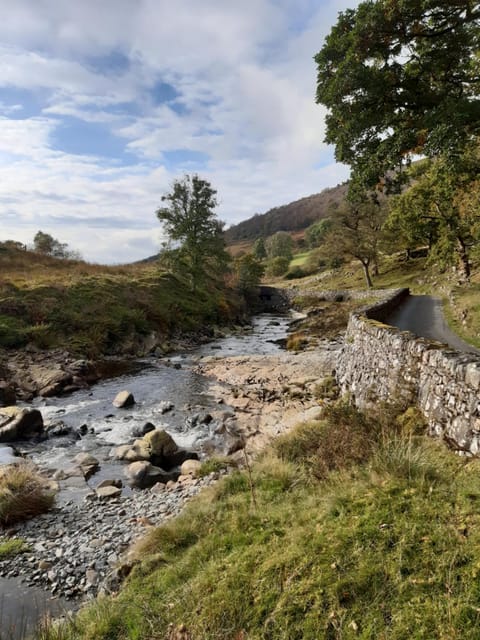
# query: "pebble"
75,546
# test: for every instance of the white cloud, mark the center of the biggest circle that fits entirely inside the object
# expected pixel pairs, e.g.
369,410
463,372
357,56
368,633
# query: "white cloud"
244,79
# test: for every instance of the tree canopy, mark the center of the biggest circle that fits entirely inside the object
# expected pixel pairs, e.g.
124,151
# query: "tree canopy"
190,221
50,246
400,77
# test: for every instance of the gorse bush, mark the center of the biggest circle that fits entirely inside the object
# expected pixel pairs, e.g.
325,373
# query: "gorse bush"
23,494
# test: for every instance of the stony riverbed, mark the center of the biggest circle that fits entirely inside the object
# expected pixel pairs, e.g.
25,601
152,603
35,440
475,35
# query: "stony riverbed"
77,549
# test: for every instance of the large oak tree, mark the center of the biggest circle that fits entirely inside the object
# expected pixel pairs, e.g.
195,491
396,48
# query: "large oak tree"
400,77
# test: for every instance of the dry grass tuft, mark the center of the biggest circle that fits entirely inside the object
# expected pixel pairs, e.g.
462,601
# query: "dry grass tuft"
23,494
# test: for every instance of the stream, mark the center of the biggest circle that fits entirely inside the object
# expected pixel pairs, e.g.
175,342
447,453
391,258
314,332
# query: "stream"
168,393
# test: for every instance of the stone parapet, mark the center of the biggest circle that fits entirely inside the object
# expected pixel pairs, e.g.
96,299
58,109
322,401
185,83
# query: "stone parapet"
382,363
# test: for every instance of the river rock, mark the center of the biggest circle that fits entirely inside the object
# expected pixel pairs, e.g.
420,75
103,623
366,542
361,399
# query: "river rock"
8,455
107,492
48,381
164,451
7,395
190,468
133,453
87,463
17,424
143,475
123,399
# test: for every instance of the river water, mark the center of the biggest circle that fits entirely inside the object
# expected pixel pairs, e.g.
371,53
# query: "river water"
155,384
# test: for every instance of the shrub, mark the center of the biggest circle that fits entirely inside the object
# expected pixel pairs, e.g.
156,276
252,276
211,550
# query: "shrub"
277,266
342,438
23,494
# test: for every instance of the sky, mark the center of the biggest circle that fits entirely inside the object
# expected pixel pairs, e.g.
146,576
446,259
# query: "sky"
104,103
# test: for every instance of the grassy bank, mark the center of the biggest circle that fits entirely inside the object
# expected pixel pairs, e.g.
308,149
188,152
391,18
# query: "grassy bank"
378,538
94,310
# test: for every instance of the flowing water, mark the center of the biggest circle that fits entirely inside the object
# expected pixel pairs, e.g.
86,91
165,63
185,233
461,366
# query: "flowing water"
154,383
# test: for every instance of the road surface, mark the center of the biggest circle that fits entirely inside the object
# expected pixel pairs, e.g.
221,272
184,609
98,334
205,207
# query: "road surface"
423,316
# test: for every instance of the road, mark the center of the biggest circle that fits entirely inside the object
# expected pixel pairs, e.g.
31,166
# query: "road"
423,316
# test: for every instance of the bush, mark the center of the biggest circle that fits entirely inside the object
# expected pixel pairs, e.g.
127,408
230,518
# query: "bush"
343,438
294,273
277,266
23,494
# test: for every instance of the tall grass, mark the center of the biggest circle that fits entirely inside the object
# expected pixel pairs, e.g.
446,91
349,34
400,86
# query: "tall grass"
23,494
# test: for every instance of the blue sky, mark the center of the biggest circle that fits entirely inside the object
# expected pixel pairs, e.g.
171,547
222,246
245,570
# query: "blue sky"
104,104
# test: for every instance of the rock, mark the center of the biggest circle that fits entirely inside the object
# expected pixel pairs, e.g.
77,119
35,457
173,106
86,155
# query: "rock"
17,424
143,430
164,451
165,406
7,395
110,483
133,453
108,491
48,381
123,399
190,468
143,475
87,463
8,455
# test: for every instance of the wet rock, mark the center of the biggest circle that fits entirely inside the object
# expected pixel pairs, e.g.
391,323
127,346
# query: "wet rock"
123,399
8,455
164,451
165,406
116,482
16,423
7,395
144,475
144,429
87,463
48,381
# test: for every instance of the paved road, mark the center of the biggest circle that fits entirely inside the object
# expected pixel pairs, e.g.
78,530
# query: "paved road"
423,316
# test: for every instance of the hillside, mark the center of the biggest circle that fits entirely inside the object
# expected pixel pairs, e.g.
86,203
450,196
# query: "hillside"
95,310
295,216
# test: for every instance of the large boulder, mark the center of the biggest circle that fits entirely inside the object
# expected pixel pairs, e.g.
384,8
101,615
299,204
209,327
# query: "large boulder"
164,451
143,475
19,424
50,381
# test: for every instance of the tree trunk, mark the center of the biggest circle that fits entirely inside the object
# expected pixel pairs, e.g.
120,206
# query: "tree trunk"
366,272
464,260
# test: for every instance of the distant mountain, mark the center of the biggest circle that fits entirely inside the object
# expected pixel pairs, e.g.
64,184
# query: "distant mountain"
292,217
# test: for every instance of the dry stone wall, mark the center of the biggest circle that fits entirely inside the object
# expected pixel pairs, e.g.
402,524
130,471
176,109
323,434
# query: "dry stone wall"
383,363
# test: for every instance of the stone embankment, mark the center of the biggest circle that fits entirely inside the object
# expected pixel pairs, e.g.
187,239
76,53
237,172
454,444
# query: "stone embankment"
381,363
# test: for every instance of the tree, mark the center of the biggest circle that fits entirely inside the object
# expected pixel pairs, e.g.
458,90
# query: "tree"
248,271
316,232
442,209
279,245
50,246
356,234
259,251
400,77
190,222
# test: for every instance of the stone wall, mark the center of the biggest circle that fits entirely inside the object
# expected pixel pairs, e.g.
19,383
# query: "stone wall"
382,363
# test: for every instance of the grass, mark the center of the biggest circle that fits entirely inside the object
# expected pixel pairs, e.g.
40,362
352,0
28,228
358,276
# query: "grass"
23,494
94,310
382,544
11,547
300,259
